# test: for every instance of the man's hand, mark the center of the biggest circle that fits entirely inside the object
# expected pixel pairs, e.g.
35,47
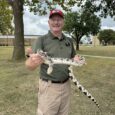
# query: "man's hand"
79,59
34,60
76,58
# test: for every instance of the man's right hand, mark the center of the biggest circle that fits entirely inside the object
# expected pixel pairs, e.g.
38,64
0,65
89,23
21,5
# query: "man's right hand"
34,60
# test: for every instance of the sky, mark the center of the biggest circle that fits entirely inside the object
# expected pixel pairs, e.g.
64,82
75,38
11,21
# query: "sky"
38,25
34,24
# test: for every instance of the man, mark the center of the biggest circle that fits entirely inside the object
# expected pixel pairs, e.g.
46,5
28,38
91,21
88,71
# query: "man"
54,89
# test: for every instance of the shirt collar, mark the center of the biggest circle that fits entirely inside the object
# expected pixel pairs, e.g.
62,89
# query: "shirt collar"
54,37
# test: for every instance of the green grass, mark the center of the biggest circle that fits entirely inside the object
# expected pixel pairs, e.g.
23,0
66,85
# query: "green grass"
19,87
100,50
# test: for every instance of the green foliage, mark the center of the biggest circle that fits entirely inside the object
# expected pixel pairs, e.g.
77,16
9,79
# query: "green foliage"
42,7
81,24
5,18
104,7
108,8
106,35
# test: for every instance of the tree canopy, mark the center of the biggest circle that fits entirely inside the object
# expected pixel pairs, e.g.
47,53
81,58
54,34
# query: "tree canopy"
80,24
106,36
5,18
104,7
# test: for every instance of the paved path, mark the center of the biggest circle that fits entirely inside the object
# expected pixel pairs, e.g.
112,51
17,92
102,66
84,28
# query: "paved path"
99,56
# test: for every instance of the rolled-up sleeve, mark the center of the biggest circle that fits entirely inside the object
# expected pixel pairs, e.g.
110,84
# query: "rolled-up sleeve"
37,45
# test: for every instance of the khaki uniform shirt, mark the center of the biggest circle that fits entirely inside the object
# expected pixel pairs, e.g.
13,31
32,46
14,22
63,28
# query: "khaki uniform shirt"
55,47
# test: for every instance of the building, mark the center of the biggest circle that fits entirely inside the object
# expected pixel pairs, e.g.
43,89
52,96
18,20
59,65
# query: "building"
8,40
95,41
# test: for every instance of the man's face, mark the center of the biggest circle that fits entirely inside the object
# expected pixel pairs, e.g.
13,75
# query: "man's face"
56,23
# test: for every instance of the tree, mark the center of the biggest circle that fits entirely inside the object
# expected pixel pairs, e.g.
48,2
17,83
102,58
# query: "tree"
80,24
5,18
105,36
17,7
35,6
107,7
104,7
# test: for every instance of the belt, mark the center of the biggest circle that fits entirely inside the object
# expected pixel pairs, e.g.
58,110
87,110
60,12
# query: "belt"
61,82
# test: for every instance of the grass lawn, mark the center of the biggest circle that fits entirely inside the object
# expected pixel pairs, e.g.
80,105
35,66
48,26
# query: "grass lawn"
99,50
19,87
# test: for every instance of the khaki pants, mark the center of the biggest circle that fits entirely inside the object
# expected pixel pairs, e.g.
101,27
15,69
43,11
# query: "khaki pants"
53,98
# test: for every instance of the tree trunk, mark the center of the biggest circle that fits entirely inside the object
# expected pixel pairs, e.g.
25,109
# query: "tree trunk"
19,51
78,38
77,44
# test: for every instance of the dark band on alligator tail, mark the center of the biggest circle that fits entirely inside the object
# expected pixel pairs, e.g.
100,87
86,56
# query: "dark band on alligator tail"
84,92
